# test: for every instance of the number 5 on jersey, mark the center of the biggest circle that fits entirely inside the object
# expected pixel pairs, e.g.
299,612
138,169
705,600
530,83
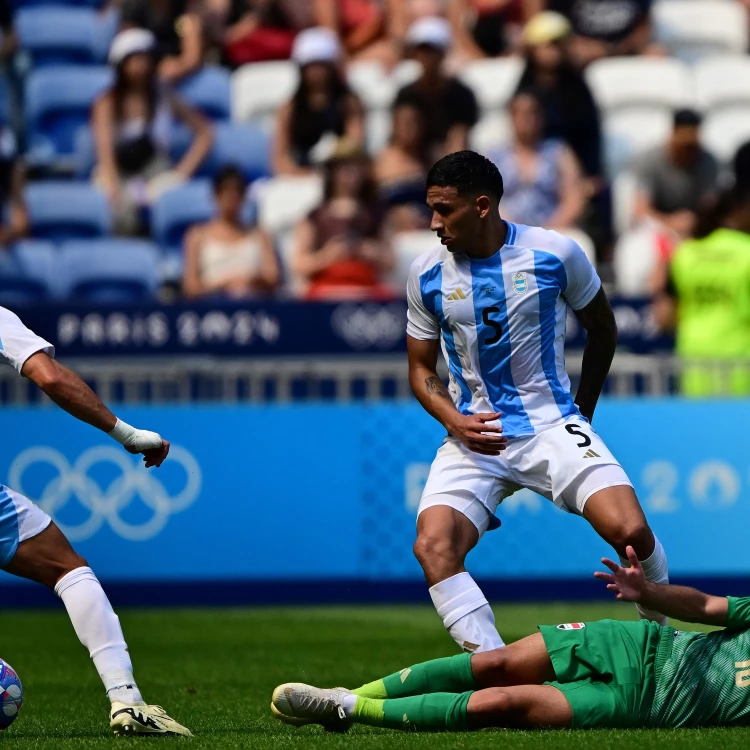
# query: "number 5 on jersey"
496,327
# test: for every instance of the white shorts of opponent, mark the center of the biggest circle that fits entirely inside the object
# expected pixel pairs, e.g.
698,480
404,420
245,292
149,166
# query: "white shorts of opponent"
566,463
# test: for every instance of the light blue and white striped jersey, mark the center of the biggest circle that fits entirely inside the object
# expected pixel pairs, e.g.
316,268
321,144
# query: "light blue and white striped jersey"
502,324
17,342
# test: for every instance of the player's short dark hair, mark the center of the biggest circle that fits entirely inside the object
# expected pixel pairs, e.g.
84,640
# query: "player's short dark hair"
686,118
229,173
469,172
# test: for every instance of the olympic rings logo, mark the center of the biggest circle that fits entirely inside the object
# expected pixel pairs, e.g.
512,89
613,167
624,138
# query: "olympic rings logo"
106,505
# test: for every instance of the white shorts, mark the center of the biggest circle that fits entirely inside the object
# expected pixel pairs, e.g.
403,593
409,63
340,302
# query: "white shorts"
20,520
567,464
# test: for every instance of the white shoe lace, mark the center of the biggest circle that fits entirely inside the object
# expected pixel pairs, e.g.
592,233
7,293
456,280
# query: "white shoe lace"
321,702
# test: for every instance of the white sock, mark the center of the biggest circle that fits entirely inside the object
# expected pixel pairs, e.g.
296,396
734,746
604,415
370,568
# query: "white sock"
655,569
98,628
466,614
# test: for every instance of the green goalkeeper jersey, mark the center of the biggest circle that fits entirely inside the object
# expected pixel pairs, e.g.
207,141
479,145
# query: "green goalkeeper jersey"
706,681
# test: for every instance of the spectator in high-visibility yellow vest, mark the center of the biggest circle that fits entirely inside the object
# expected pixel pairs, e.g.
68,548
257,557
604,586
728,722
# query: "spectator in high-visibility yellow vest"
707,300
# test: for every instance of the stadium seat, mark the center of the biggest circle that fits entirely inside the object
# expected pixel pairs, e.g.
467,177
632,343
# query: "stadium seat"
491,132
631,132
283,201
178,209
378,128
66,210
624,188
246,146
58,103
693,29
28,273
722,80
5,94
408,246
726,130
53,35
259,89
17,4
371,82
111,270
493,80
634,261
620,82
584,241
209,91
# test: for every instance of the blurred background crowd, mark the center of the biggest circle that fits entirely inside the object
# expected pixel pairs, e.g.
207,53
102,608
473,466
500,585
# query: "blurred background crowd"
256,148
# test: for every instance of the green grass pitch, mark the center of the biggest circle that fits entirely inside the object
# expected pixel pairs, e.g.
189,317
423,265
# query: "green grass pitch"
214,670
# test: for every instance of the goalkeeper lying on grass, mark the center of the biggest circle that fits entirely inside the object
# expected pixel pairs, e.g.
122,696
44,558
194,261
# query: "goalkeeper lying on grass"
596,674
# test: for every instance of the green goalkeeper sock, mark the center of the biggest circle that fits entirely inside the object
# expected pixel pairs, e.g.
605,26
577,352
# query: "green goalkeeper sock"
449,675
435,712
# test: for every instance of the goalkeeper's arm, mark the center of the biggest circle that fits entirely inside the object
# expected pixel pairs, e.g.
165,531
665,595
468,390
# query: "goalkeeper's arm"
70,393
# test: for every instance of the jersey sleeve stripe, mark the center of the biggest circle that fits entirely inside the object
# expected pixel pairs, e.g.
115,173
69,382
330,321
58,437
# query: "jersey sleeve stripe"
431,284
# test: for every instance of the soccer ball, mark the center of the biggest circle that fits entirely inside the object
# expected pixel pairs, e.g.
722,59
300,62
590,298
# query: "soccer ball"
11,695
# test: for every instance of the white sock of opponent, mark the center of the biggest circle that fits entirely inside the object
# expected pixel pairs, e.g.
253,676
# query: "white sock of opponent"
655,569
98,628
466,614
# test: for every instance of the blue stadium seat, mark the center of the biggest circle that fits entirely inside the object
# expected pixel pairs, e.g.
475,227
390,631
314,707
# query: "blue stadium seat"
67,210
54,35
58,104
28,273
17,4
246,146
178,209
208,90
110,270
5,111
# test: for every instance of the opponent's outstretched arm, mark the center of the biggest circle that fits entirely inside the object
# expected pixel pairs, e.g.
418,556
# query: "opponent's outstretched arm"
681,602
72,394
472,430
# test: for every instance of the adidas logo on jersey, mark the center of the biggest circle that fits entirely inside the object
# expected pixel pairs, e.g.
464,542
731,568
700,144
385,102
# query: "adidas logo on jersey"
591,454
457,294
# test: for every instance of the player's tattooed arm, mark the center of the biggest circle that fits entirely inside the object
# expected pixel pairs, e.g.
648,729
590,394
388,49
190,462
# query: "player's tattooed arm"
435,387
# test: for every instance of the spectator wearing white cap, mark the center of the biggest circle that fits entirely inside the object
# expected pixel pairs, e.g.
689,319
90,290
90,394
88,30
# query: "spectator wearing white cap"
132,124
448,106
178,31
323,108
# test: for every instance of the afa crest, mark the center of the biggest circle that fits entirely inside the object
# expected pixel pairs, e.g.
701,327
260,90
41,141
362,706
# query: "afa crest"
520,282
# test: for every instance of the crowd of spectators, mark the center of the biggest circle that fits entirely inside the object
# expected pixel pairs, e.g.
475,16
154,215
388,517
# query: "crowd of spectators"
552,158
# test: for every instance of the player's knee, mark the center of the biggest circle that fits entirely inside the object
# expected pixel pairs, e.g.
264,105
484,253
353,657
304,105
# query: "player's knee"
434,550
66,564
490,668
636,534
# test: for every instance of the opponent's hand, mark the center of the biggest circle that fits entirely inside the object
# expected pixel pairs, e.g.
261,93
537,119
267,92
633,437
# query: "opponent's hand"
472,432
152,456
626,583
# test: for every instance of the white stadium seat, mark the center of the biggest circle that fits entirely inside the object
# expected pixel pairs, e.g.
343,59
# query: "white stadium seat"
624,188
283,201
693,29
378,126
493,80
619,82
370,81
408,246
629,133
259,89
491,132
635,261
584,241
725,131
722,80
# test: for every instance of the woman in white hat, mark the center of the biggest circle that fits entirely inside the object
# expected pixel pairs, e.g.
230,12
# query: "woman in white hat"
322,109
133,128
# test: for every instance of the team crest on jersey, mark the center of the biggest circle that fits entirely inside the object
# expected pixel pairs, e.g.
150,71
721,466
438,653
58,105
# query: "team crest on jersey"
572,626
520,283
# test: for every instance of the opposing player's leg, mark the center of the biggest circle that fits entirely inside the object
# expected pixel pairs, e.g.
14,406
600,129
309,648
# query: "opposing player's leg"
522,707
525,662
42,553
459,498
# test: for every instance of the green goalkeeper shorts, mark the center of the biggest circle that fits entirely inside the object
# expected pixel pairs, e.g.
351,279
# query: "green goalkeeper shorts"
607,669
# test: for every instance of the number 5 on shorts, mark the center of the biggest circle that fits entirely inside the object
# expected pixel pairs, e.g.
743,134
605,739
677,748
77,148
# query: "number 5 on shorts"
576,431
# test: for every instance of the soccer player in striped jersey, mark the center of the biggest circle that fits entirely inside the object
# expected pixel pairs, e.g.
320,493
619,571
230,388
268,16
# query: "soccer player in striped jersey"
602,674
495,296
